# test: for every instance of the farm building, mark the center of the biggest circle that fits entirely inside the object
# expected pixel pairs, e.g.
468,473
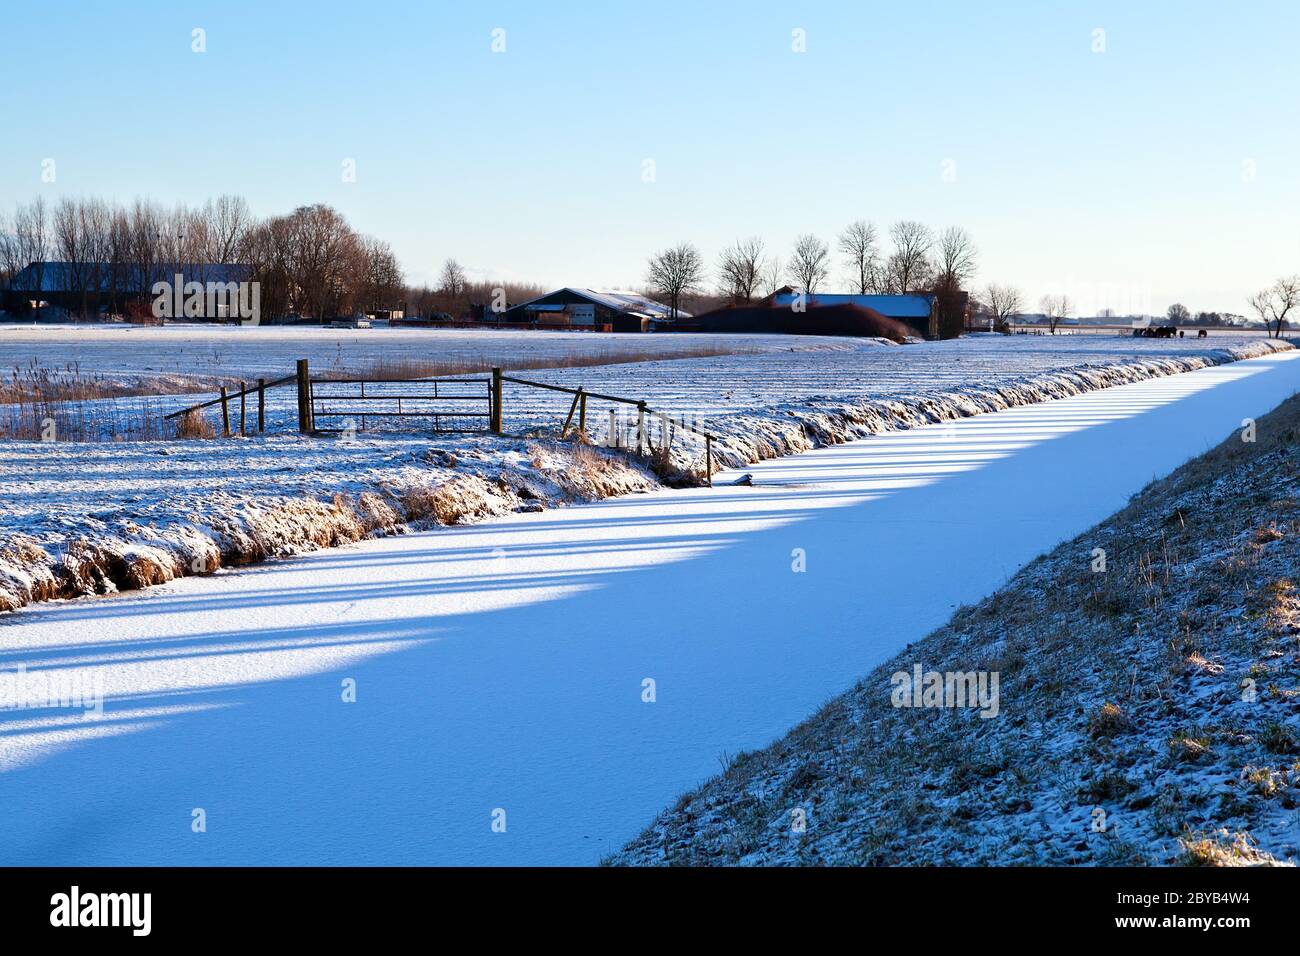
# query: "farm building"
818,319
918,310
607,311
92,287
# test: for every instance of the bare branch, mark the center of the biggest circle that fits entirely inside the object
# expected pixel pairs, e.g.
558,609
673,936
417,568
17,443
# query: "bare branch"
810,262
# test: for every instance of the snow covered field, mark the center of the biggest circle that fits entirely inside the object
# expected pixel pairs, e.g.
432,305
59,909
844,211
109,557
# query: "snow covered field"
88,517
803,373
500,670
767,377
214,353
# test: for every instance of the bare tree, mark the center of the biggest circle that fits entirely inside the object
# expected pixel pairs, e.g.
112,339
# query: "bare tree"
810,263
739,268
675,272
32,243
1275,303
32,226
1262,303
1055,308
9,255
322,260
269,254
381,277
144,243
97,225
773,274
909,267
862,255
120,284
176,237
193,241
452,279
1178,314
227,222
1286,295
70,240
956,258
1004,304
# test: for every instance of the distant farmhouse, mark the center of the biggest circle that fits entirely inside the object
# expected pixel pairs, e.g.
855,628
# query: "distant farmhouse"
917,310
89,288
597,310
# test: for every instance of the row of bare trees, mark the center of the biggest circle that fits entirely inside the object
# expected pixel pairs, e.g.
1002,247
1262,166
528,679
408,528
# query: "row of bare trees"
918,260
309,261
26,238
457,295
1002,304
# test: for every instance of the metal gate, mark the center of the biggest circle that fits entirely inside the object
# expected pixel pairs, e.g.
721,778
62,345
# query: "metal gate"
453,405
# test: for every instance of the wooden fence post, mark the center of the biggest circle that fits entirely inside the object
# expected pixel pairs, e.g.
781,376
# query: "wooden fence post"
615,440
573,407
225,414
243,418
582,414
708,459
261,405
494,421
304,397
640,428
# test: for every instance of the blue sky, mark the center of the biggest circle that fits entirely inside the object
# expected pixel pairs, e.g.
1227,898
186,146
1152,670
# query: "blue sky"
1122,177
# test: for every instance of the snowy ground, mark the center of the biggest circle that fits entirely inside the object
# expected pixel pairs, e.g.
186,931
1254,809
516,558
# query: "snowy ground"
503,667
88,517
789,371
208,354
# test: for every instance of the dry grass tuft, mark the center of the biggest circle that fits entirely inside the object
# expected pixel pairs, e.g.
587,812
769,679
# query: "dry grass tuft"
194,424
1278,738
1268,533
449,502
393,368
1108,721
591,464
1221,849
1204,665
1188,747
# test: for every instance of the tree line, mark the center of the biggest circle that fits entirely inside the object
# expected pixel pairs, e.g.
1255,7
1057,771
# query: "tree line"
309,261
917,259
455,295
1001,304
